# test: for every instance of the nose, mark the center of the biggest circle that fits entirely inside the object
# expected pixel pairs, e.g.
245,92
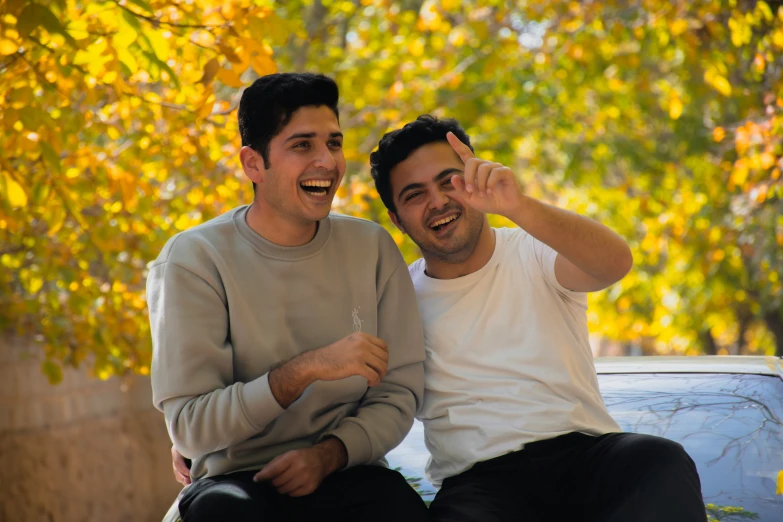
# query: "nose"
325,159
438,199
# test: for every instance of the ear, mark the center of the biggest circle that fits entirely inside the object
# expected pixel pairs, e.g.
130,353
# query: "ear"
252,165
396,221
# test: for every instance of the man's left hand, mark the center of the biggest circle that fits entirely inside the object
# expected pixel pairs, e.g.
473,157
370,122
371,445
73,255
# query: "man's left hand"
299,472
488,187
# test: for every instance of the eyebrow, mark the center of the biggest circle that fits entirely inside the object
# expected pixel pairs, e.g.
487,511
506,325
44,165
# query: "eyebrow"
301,135
442,174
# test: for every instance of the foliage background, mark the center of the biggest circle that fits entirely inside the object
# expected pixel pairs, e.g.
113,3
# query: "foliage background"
662,119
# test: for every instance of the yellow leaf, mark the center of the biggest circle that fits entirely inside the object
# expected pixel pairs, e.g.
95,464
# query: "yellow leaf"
759,63
160,45
777,38
124,37
128,60
678,27
263,64
718,134
767,160
14,192
7,47
229,77
675,107
34,284
56,221
206,109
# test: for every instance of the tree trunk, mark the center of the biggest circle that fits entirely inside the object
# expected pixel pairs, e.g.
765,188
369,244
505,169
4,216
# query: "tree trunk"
708,345
774,321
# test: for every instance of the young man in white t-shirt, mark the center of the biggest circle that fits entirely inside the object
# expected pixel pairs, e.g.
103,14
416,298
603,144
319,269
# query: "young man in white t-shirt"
513,416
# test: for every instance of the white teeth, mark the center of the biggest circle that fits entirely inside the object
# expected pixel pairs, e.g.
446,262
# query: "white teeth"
317,183
444,221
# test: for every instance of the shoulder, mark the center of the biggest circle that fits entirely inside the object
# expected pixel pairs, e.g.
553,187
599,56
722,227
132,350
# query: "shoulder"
189,246
416,269
362,232
354,224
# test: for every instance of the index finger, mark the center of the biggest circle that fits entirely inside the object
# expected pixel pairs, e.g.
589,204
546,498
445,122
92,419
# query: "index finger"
376,341
462,150
277,466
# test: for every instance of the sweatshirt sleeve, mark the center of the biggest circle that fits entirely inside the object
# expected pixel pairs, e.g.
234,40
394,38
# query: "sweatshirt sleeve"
192,365
386,412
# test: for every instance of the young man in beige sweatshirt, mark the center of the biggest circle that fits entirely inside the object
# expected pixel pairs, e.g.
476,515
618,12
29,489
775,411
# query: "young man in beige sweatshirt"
287,345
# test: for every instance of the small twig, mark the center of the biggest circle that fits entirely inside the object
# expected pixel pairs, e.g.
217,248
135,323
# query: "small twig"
156,22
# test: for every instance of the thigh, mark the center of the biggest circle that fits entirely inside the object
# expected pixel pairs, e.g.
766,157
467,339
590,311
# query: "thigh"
358,494
483,497
228,497
638,476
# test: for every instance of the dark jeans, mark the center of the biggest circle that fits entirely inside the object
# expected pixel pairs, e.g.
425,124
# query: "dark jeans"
357,494
619,477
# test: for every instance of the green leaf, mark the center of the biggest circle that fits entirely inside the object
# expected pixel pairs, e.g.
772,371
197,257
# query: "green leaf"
131,20
144,5
50,155
30,118
52,371
28,20
34,15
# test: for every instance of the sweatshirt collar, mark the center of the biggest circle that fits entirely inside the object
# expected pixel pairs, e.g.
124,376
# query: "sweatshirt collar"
284,253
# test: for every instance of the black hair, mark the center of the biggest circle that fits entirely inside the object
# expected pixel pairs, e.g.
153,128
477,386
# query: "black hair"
269,103
397,145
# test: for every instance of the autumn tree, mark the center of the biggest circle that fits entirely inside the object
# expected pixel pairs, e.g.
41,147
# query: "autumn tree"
662,119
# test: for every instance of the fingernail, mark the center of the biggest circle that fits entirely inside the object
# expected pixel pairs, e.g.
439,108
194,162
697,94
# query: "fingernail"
469,188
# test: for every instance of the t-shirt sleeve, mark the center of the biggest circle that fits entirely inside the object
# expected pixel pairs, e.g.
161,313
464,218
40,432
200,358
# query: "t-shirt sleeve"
545,257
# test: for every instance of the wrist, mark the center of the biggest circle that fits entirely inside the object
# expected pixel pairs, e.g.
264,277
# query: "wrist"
333,453
288,381
523,213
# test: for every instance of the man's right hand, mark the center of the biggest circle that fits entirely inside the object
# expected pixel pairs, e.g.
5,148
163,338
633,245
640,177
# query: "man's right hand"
356,354
181,471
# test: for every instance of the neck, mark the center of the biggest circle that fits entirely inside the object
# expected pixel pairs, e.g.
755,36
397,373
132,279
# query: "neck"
278,230
442,268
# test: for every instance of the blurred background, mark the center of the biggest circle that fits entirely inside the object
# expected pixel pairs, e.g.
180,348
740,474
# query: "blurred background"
661,119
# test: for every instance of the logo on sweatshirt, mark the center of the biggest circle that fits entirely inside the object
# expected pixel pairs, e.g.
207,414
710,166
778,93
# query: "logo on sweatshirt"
357,323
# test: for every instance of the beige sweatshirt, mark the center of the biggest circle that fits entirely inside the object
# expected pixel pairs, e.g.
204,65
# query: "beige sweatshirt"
226,306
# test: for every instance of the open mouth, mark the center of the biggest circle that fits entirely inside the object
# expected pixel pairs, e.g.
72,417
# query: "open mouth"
445,223
316,187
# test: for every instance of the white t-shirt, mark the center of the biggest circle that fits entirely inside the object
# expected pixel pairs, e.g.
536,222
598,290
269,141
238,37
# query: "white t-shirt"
508,360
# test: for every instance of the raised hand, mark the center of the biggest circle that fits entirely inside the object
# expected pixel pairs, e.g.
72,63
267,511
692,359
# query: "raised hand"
488,187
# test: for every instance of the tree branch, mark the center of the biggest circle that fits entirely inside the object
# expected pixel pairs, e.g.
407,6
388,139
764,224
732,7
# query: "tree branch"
155,22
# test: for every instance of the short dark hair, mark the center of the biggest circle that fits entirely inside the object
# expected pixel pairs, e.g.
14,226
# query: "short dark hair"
397,145
269,103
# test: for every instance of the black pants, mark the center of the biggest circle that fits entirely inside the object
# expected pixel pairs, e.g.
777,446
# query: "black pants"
619,477
357,494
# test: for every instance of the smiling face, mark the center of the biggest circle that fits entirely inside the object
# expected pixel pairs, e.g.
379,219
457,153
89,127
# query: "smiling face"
306,165
426,208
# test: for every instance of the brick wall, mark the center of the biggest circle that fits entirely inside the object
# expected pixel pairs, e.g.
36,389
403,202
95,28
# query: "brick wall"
81,451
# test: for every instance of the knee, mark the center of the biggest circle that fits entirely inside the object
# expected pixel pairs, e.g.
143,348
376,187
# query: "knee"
222,502
663,454
395,492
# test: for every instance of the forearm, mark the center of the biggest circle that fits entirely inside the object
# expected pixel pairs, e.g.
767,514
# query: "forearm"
590,246
289,380
220,419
